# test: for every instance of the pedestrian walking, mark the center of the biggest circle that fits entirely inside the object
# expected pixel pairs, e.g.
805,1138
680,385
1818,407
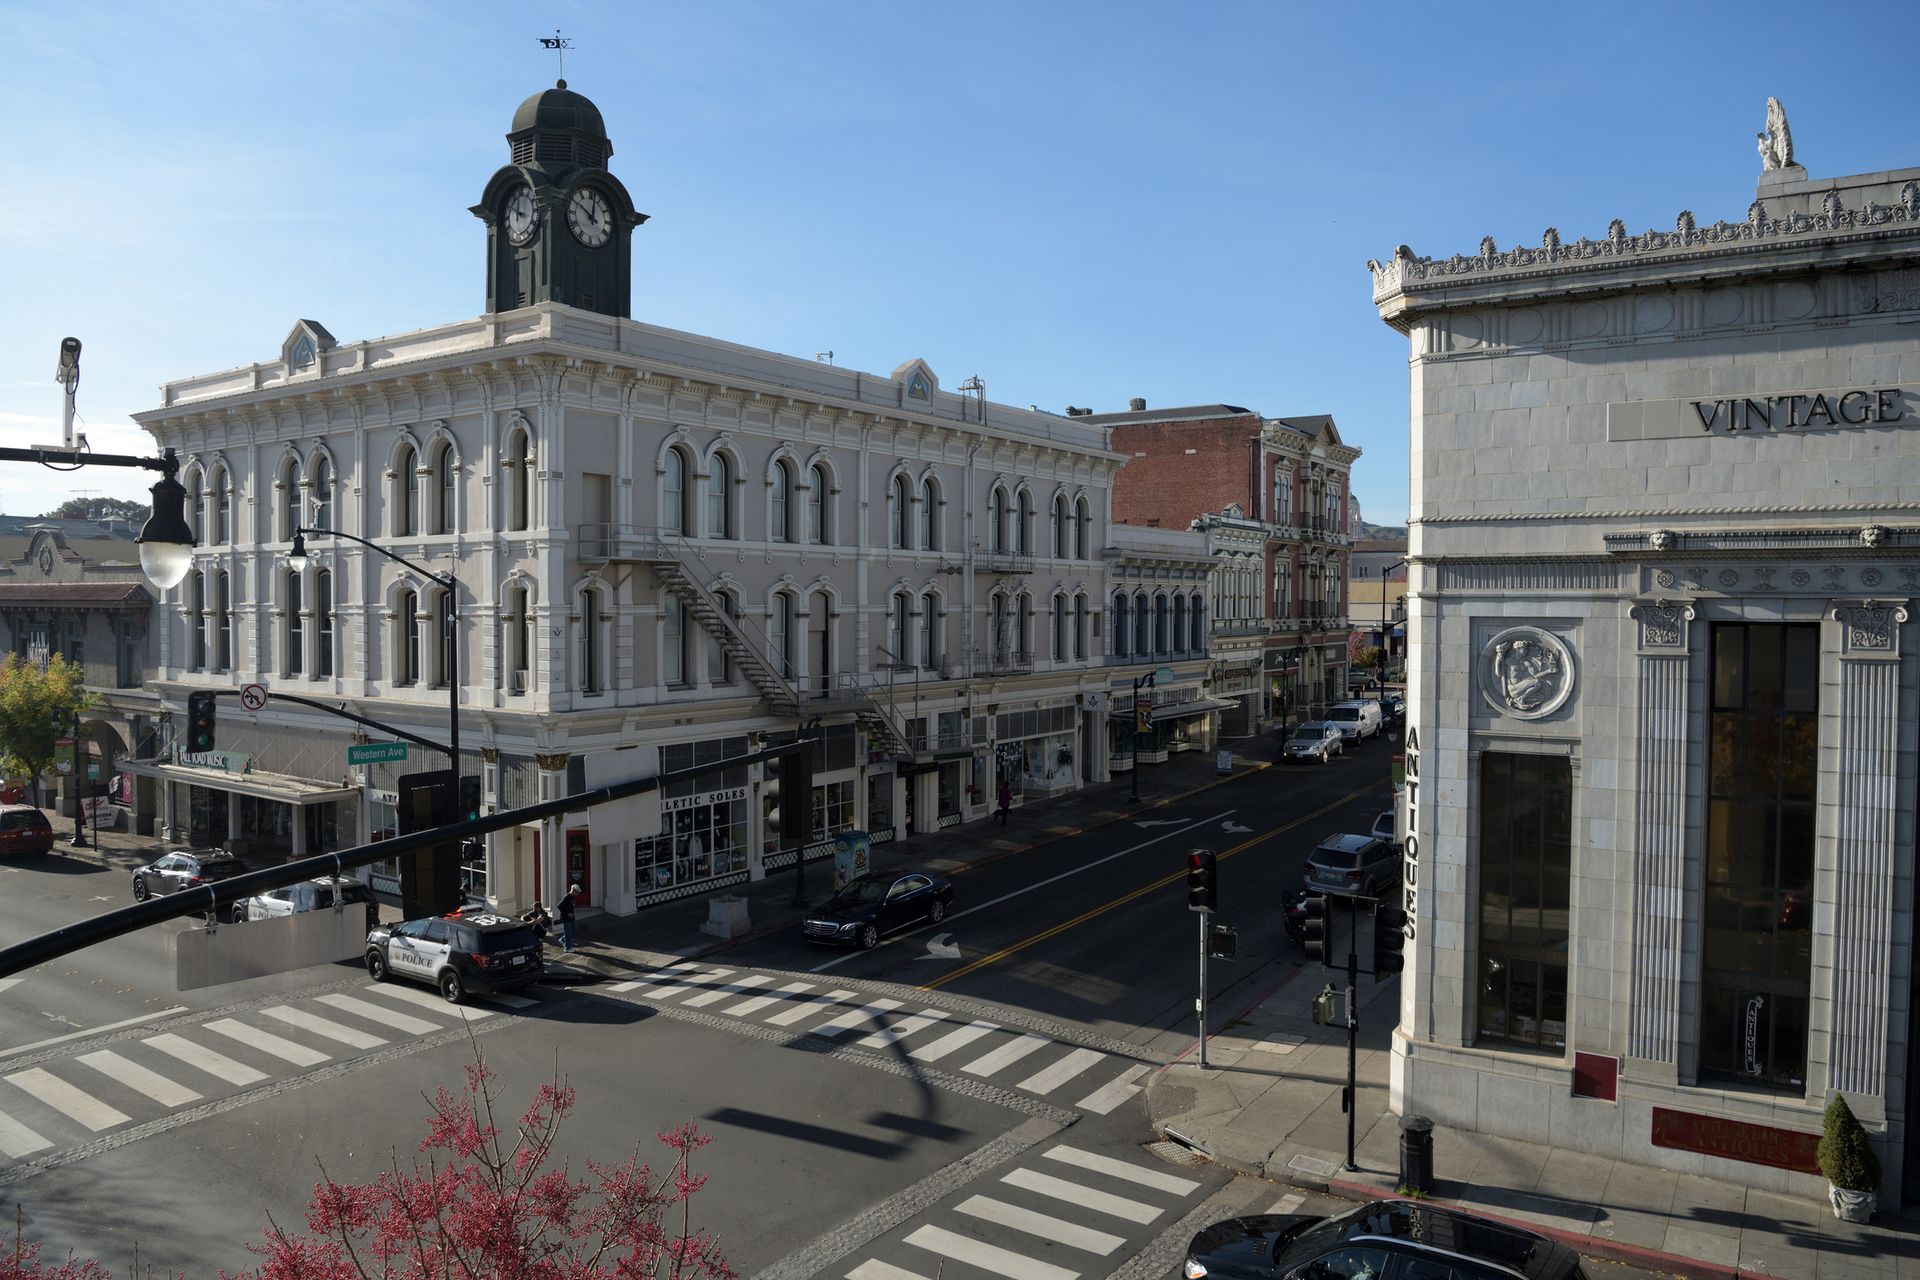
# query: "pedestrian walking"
566,918
1006,801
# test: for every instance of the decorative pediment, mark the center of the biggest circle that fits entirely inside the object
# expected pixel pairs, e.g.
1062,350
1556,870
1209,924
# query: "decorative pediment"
303,347
917,382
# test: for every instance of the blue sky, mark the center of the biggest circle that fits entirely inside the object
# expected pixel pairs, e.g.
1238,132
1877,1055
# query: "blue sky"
1080,202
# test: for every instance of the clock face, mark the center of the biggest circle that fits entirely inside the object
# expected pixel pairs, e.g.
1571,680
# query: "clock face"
523,218
590,217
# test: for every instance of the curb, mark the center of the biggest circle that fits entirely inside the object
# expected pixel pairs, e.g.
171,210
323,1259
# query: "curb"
986,860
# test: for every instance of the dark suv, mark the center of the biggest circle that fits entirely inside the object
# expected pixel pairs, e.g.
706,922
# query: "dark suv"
1397,1238
187,869
477,953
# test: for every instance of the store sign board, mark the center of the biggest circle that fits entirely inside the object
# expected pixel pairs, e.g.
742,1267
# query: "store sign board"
1736,1140
701,799
1788,413
224,761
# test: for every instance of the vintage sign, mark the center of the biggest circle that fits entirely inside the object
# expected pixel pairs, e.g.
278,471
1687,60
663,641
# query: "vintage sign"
1736,1140
1784,413
1410,851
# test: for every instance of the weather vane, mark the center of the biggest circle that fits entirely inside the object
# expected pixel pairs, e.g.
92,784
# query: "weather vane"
559,44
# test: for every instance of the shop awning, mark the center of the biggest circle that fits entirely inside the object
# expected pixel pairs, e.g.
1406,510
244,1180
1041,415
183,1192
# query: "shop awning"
1174,710
283,787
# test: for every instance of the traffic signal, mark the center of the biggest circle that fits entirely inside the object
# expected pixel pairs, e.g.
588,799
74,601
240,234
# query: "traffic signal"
1313,909
200,721
796,798
1203,889
469,799
1389,936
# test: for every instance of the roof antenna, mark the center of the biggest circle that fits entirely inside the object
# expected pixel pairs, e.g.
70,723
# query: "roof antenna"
559,44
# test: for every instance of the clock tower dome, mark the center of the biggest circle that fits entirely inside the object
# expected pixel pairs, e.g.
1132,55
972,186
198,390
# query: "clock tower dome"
559,225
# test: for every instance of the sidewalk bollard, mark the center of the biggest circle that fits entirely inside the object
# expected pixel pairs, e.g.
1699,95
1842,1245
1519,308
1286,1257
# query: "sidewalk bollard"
1416,1155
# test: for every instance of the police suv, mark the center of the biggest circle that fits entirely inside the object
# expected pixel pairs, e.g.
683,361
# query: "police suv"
457,955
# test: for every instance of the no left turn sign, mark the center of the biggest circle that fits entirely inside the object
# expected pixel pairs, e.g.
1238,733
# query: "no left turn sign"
253,696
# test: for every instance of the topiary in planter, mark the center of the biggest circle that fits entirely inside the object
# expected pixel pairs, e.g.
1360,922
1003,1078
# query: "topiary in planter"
1845,1155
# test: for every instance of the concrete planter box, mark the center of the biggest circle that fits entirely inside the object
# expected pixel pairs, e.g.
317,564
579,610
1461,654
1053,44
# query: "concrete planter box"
726,917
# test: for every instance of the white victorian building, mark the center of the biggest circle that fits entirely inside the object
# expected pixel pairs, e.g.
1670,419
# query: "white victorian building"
659,539
1665,543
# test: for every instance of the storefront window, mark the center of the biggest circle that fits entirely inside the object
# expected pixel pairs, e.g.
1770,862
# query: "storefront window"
951,772
879,802
1757,952
697,842
1526,859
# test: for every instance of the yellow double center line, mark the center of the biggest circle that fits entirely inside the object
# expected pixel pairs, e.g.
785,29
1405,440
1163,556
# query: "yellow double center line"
995,957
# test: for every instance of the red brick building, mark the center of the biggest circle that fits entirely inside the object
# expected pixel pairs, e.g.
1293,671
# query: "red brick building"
1290,473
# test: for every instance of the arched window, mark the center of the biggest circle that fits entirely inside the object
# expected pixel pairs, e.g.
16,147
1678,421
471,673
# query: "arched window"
780,512
673,495
901,630
519,481
1121,635
197,621
1178,641
292,580
406,640
590,653
673,641
719,497
323,623
446,475
1060,526
719,661
929,514
997,629
1197,635
519,639
819,531
1023,648
289,499
195,520
1024,521
222,508
406,495
1080,628
932,651
322,493
780,633
223,622
900,499
1160,636
446,639
997,520
1062,643
1142,625
1081,519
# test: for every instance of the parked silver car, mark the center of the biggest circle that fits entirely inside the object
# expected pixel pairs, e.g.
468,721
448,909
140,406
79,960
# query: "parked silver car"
1313,740
308,895
1353,866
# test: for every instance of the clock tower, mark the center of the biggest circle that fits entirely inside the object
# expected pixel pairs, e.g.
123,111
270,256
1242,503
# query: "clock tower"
559,225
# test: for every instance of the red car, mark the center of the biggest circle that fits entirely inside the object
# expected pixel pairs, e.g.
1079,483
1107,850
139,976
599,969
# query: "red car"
24,830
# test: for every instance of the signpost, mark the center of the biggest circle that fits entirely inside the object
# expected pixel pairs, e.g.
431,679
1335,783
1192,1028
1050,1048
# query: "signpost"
376,752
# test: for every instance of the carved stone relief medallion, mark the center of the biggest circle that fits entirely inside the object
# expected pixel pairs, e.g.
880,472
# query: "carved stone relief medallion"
1526,673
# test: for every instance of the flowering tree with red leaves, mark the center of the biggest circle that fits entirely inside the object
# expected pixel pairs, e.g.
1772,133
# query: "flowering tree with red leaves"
22,1261
483,1202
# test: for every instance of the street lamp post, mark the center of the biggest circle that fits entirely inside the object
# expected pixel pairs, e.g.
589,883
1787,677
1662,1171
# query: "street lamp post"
1386,638
1139,682
301,561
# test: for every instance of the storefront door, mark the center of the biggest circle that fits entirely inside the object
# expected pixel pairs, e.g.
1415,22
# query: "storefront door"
578,865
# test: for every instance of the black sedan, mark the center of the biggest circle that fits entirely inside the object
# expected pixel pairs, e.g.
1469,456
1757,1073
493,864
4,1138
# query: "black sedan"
874,905
1400,1237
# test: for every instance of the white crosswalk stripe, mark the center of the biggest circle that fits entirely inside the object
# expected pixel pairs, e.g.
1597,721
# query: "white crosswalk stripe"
1103,1100
680,982
902,1029
737,987
1007,1054
1121,1169
659,977
1289,1203
874,1269
863,1016
166,1092
325,1028
385,1017
64,1098
987,1257
1044,1225
266,1042
755,1005
16,1140
807,1007
214,1064
952,1041
427,1000
1086,1197
1045,1082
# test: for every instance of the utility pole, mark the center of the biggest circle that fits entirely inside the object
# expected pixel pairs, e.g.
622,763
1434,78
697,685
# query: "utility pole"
1353,1021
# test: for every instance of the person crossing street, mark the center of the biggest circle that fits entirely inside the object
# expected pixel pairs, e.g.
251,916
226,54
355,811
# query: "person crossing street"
566,918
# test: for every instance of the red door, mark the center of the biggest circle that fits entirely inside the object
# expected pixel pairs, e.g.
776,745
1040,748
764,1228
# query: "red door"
577,865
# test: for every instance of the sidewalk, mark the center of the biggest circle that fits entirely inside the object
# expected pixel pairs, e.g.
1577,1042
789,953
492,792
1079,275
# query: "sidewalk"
1268,1104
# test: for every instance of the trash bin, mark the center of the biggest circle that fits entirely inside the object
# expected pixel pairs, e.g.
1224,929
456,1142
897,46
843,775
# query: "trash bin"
1416,1154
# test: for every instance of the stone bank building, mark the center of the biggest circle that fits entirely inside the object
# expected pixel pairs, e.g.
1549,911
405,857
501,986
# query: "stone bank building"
1665,543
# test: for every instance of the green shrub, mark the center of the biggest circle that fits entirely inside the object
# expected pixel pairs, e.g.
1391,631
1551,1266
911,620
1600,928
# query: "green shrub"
1845,1155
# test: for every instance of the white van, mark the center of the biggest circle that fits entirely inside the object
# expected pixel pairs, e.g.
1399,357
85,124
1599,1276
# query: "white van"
1357,720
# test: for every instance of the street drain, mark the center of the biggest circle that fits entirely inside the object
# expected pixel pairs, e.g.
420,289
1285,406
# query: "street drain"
1176,1153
